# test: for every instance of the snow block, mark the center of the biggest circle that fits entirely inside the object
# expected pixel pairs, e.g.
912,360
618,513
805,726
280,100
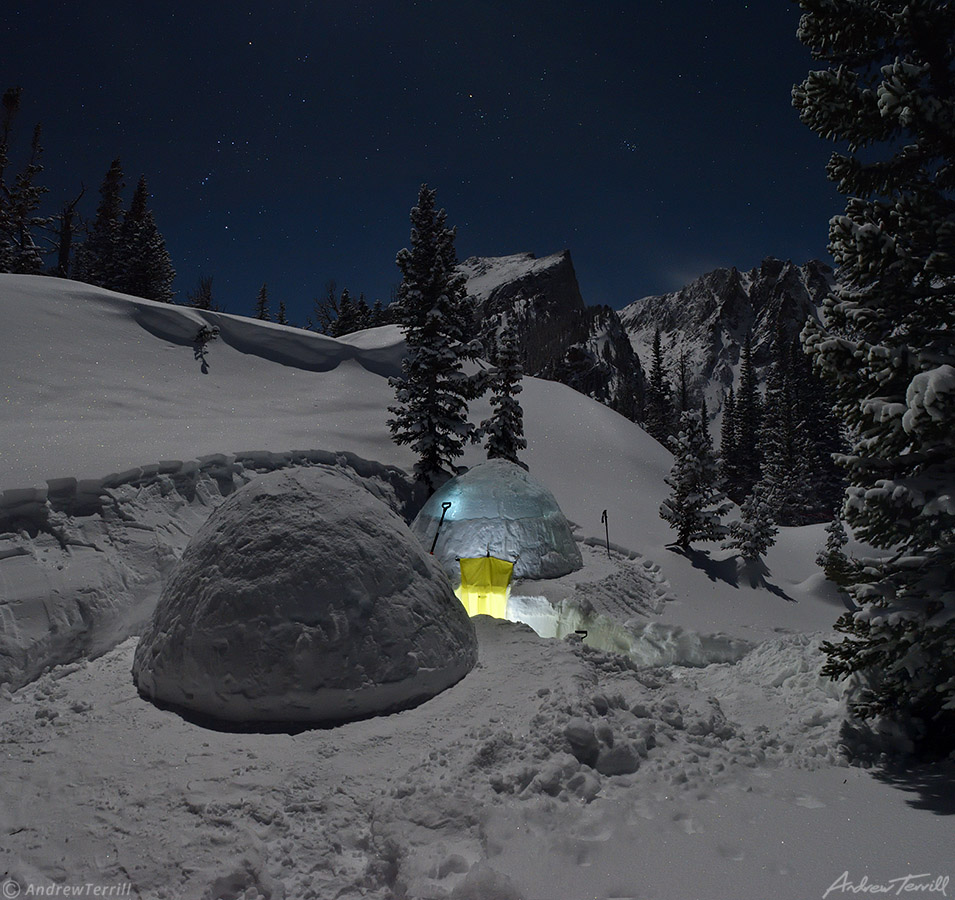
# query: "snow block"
303,599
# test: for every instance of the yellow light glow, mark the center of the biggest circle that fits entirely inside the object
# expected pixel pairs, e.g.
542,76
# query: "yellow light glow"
484,586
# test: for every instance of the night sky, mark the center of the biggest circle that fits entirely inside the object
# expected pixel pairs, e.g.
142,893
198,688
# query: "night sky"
284,143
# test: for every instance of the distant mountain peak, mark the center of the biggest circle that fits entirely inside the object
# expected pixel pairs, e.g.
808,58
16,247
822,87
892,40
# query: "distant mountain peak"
561,338
709,318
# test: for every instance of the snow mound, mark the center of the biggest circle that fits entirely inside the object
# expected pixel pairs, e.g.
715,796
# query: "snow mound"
303,599
497,508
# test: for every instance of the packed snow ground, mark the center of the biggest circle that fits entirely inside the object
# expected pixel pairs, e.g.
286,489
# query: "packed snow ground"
704,763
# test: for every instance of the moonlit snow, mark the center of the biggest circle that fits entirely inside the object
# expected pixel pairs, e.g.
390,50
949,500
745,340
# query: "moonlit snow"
303,599
497,508
731,782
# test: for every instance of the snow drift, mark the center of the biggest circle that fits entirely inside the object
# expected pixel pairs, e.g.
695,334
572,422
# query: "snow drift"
303,599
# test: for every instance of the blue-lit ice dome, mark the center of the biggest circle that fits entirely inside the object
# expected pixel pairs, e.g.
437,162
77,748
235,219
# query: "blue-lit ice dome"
498,508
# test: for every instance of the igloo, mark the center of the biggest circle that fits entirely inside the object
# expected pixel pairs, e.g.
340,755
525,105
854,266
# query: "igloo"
498,509
303,599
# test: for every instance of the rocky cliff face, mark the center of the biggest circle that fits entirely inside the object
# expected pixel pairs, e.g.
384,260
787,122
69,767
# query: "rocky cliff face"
585,347
709,319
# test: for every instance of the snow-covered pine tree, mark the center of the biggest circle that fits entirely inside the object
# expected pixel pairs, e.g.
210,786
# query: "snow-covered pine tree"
20,200
281,317
696,504
705,422
346,320
887,342
748,413
505,428
100,260
148,270
822,434
729,464
24,202
362,313
833,560
262,304
433,391
658,400
683,381
786,482
755,531
11,105
798,437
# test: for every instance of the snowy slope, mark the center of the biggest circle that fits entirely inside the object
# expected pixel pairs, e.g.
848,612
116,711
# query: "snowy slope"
95,382
553,771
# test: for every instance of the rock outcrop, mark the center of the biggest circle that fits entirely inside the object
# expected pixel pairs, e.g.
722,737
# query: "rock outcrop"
561,338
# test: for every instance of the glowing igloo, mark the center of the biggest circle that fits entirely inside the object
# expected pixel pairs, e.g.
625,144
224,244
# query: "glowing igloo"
303,599
498,509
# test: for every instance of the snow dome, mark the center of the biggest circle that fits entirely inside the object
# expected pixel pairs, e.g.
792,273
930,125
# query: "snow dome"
303,599
497,508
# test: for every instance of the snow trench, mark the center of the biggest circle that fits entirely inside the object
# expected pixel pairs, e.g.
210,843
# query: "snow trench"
82,562
647,644
610,609
30,507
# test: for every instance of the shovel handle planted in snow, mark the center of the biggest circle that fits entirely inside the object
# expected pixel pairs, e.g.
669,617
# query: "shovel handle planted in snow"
444,511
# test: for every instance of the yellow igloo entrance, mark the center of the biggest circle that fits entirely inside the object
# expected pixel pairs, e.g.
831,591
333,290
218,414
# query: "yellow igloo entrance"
484,586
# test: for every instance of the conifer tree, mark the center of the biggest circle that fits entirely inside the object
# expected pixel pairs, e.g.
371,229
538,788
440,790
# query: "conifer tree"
362,313
65,232
705,420
748,415
797,438
755,531
683,380
886,340
147,268
659,403
783,447
324,310
100,259
839,569
505,428
262,304
822,434
433,391
11,106
729,462
347,319
20,200
696,504
281,316
201,297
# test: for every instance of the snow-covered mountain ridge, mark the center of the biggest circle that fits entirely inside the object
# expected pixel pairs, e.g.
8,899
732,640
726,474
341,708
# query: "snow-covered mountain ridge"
709,319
